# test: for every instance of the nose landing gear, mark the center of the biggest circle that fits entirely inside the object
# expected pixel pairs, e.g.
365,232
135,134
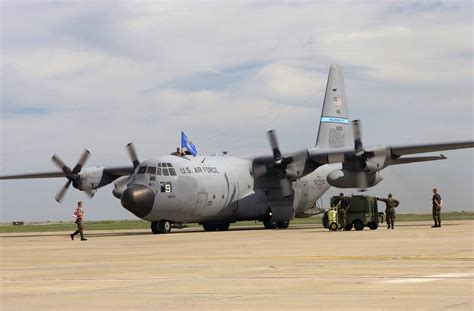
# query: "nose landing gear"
162,226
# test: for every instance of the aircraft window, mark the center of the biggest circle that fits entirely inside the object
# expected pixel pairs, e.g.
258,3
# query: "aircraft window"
151,170
165,172
158,171
142,170
172,171
169,164
159,164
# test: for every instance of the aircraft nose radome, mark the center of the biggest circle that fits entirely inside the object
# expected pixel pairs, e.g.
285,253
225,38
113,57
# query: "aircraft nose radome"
138,199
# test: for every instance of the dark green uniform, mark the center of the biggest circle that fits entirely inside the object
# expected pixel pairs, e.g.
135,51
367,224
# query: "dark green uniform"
342,207
437,209
390,204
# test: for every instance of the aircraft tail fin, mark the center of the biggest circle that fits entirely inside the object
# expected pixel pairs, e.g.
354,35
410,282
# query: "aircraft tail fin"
334,126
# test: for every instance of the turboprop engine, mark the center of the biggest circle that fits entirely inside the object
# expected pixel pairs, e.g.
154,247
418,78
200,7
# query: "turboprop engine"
353,179
120,185
360,169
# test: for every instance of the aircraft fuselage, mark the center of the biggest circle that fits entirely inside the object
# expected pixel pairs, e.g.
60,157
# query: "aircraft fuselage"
215,189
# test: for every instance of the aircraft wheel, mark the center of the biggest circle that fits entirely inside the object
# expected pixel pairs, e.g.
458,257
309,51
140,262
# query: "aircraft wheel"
333,226
358,225
283,224
373,225
164,226
209,227
154,227
269,224
223,227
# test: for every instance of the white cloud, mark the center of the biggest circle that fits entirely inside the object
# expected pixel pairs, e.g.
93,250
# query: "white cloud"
100,75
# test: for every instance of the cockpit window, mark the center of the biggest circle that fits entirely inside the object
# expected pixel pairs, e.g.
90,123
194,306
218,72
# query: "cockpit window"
151,170
142,170
165,169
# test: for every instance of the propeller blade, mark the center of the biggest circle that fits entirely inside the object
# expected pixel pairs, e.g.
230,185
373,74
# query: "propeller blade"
59,163
60,196
362,181
286,187
356,129
272,138
82,160
133,154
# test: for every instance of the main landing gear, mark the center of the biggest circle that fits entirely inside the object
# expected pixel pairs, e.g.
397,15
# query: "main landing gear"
162,226
216,227
270,224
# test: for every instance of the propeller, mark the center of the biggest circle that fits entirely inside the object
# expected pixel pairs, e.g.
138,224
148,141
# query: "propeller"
280,165
361,157
133,154
72,175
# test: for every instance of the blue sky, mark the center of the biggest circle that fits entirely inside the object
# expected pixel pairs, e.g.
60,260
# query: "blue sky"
99,74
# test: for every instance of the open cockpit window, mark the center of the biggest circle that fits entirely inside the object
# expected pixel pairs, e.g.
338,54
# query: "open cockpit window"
142,170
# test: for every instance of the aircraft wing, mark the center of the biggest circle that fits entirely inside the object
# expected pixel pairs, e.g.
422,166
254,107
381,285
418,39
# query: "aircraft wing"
113,171
406,160
398,151
34,175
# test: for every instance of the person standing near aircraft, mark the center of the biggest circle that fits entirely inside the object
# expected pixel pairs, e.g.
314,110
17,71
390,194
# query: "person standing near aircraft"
343,206
437,203
79,216
390,204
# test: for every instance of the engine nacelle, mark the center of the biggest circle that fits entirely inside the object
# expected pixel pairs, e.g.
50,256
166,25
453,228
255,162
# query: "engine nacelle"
120,185
353,179
93,178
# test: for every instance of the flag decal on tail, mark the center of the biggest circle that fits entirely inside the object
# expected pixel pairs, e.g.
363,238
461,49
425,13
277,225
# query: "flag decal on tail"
335,120
337,101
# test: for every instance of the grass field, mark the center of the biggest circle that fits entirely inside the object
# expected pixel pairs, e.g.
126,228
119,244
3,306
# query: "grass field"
141,224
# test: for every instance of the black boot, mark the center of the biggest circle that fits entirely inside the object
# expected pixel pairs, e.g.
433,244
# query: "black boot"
435,226
83,238
72,236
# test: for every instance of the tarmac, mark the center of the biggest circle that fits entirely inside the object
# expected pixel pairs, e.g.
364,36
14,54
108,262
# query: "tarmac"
304,267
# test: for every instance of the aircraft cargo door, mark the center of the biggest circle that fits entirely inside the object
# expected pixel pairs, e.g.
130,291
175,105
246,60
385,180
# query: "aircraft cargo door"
201,203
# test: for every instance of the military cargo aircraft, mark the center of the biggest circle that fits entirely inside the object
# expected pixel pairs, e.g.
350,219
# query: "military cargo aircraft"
216,191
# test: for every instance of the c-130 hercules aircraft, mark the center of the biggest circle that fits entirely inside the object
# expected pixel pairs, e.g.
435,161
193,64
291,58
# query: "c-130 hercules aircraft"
218,190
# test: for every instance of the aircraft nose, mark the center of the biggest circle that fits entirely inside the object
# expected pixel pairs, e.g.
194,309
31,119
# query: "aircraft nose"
138,199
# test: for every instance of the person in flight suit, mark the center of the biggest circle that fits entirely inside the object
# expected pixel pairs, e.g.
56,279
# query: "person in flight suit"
437,204
79,215
342,207
390,204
